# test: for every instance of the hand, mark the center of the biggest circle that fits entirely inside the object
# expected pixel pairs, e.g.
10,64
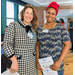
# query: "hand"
14,66
38,66
68,28
56,65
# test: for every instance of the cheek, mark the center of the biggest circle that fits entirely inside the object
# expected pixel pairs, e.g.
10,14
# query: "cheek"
32,16
46,16
25,15
54,17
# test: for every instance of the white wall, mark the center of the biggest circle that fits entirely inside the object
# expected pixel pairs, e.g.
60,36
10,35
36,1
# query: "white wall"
44,16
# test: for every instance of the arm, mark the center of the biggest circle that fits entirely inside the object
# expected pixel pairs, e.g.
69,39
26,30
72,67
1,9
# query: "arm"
69,27
9,41
14,66
65,49
8,47
37,55
66,43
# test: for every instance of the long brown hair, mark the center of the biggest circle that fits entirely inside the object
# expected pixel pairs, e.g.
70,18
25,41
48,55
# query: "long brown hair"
35,18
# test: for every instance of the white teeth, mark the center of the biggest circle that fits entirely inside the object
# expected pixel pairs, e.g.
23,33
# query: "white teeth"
50,18
28,18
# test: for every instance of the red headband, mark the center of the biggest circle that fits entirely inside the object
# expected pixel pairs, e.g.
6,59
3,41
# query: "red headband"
53,5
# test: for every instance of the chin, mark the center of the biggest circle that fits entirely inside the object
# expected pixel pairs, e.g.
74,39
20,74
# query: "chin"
49,21
28,21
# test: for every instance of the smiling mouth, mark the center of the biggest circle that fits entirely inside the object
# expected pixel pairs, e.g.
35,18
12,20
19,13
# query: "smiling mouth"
28,18
50,18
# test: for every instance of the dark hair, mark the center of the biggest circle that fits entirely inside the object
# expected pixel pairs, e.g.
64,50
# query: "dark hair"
35,17
57,21
61,20
69,18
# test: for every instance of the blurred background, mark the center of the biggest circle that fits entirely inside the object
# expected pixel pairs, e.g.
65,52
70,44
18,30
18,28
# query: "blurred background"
11,8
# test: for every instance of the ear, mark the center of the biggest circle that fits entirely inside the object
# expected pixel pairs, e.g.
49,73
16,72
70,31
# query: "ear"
55,19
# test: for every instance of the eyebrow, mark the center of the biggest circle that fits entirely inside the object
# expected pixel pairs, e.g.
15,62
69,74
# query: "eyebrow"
50,12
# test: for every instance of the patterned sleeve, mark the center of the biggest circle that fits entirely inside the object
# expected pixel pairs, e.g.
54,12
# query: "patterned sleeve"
37,33
64,34
9,40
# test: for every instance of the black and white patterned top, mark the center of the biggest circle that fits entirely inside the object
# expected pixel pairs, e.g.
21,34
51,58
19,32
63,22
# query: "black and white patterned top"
16,42
51,42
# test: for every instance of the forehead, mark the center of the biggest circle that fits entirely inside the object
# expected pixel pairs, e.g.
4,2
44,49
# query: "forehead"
51,9
29,10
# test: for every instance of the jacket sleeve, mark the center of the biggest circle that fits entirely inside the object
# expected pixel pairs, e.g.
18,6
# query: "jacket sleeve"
9,40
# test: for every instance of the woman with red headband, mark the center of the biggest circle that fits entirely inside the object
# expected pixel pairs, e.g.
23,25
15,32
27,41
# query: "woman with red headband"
51,38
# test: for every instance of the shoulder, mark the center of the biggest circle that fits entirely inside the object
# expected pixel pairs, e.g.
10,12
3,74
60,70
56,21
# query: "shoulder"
59,25
39,27
12,24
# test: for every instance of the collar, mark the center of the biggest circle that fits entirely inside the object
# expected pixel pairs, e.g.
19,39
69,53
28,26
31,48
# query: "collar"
24,24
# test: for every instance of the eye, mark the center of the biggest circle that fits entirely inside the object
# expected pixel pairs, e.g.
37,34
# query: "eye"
31,13
48,12
27,13
53,13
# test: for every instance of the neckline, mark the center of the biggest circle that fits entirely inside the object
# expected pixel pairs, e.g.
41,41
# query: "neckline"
51,28
24,24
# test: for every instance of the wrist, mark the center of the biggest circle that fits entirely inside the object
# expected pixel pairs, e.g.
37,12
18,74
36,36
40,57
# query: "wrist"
60,60
13,58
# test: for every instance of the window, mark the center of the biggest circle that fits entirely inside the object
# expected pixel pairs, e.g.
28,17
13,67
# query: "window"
9,21
12,12
9,12
20,8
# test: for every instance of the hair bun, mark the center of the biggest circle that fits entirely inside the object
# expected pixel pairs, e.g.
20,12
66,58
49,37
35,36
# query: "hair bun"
54,4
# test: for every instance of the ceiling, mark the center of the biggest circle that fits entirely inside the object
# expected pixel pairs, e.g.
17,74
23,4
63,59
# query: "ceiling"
65,12
46,2
68,12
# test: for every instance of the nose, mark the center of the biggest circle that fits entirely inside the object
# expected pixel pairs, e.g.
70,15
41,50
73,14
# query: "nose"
29,15
50,14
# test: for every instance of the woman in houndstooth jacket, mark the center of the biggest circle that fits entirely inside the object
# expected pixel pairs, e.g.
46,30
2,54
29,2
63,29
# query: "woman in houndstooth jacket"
19,42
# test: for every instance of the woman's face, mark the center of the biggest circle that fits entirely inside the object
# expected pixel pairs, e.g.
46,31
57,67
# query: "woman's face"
51,15
60,21
28,15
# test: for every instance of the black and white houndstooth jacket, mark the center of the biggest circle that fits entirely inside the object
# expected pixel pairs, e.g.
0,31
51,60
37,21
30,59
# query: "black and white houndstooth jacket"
16,42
